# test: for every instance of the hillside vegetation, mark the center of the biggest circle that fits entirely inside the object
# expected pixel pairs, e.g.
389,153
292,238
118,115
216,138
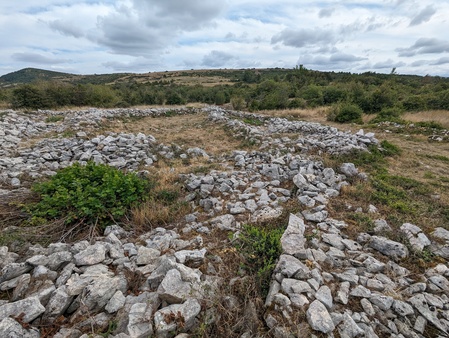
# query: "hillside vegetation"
252,89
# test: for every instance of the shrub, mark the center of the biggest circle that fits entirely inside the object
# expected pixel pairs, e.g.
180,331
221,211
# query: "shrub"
238,102
388,114
261,248
94,194
297,103
346,112
332,94
414,103
313,95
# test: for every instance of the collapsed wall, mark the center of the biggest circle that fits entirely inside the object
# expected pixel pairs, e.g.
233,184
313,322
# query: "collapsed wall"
160,284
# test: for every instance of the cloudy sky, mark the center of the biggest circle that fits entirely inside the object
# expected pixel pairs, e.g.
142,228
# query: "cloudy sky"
105,36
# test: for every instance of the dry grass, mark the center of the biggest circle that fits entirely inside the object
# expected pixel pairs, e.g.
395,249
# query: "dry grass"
311,115
440,116
192,130
166,203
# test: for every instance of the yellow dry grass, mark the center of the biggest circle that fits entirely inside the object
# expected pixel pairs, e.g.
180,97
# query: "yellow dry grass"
159,211
192,130
311,115
440,116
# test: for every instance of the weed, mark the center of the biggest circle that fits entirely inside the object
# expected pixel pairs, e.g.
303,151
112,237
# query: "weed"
111,328
429,125
253,121
68,133
438,157
261,248
170,113
429,175
54,119
364,222
389,149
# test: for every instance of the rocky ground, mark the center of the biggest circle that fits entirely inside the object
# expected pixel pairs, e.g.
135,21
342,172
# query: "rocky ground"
172,281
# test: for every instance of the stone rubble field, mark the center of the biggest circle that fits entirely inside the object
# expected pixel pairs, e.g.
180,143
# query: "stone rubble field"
159,284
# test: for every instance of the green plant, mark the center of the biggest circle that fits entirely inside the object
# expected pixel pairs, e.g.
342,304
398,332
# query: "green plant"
261,248
111,328
429,124
389,149
93,194
54,118
388,114
253,121
345,112
363,221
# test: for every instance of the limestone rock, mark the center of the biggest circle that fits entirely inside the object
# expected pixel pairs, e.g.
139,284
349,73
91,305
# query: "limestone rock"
388,247
318,317
31,308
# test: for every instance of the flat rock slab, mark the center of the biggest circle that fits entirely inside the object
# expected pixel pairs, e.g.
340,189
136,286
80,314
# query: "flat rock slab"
388,247
31,308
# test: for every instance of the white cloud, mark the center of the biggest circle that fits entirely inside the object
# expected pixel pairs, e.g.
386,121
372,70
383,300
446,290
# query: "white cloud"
90,36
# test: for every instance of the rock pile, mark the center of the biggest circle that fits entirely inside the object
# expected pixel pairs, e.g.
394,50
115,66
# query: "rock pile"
138,286
357,288
158,284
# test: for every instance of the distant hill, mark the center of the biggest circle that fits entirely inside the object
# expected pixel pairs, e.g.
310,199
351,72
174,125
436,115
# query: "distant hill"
29,75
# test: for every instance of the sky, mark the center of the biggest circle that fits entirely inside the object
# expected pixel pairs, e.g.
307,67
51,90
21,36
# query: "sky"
140,36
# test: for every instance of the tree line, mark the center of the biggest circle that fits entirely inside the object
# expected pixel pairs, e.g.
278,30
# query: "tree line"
251,89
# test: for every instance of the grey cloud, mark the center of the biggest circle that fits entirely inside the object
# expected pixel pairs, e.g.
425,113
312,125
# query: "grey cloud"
425,46
37,58
423,16
342,57
139,64
332,61
304,37
388,64
217,59
66,28
145,26
441,61
437,62
326,12
419,63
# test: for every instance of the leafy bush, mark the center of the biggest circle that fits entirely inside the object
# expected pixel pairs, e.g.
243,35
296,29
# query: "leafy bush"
388,114
345,112
261,248
313,95
93,194
332,94
414,103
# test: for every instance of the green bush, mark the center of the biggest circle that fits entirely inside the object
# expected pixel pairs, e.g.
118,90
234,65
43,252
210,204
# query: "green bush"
261,248
414,103
94,194
332,94
388,114
345,112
